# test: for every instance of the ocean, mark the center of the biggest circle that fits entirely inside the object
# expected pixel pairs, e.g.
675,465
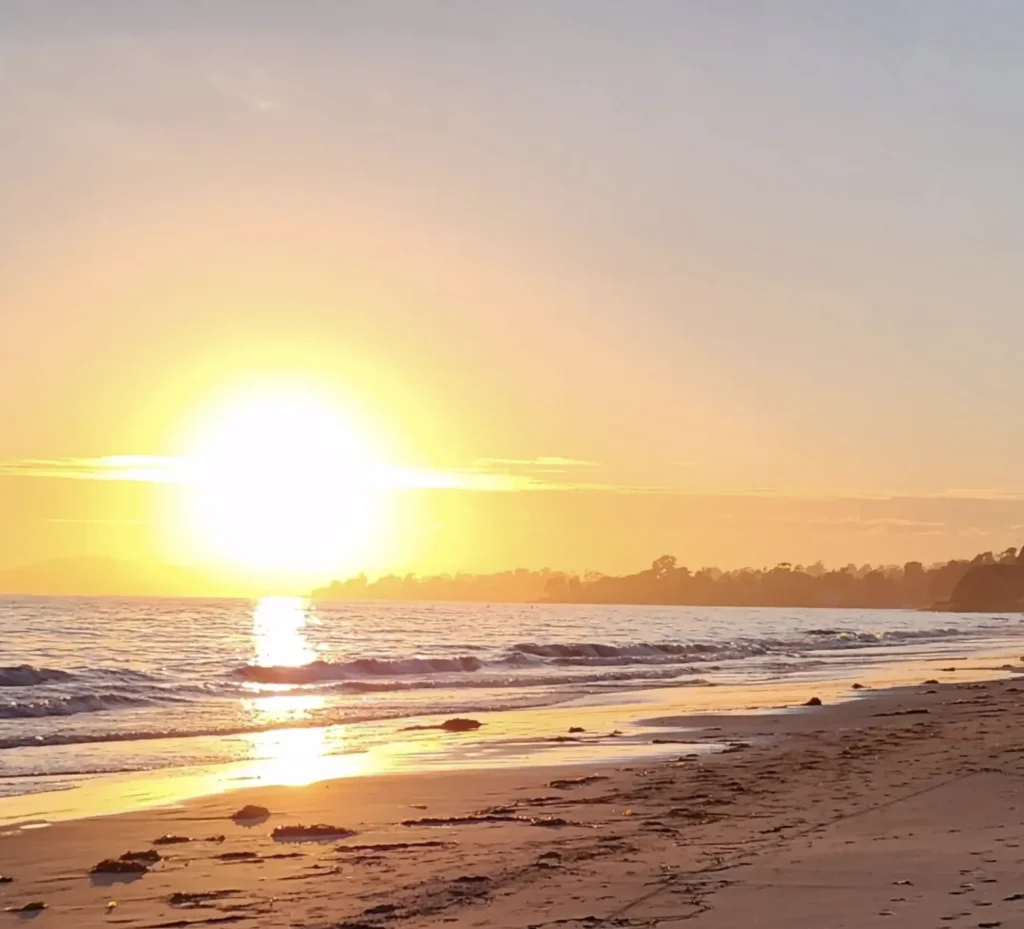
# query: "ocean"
90,686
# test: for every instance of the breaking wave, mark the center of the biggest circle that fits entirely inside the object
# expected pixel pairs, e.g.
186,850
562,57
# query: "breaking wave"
318,671
70,706
533,656
24,675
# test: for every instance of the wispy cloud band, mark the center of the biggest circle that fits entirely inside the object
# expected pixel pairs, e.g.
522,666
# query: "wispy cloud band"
494,475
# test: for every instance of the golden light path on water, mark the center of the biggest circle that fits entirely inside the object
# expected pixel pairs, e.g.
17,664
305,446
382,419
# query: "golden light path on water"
293,753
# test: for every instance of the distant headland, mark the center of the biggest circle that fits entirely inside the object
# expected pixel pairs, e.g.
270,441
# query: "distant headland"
988,582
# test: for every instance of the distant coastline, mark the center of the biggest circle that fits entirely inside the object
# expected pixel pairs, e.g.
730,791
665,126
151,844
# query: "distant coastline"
988,582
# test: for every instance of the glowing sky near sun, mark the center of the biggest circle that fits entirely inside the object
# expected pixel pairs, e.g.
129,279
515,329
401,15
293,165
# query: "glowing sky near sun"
569,283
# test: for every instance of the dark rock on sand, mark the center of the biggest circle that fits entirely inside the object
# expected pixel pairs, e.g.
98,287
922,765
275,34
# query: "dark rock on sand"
460,725
381,909
814,701
119,866
238,856
171,839
381,847
149,856
456,724
575,729
566,783
857,687
35,906
551,822
315,833
931,680
197,899
251,813
4,879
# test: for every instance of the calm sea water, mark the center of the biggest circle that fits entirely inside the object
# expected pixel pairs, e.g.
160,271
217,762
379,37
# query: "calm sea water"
100,685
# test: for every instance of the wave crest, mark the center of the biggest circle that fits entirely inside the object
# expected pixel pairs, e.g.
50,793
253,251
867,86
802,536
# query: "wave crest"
24,675
319,671
69,706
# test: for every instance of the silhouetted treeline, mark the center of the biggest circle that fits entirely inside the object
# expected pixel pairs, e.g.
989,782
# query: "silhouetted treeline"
912,585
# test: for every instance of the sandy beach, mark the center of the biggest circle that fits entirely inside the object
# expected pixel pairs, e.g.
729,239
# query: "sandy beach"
903,806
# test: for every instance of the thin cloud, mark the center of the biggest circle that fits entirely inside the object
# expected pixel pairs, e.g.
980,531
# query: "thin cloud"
544,461
546,474
148,469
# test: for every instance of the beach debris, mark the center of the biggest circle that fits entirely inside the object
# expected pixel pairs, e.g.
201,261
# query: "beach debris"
575,729
562,738
119,866
393,846
316,832
814,701
251,813
6,879
459,724
669,742
916,711
187,899
381,909
614,733
417,806
456,724
947,670
149,856
237,856
735,747
550,856
168,839
567,783
35,906
857,687
472,819
471,879
111,904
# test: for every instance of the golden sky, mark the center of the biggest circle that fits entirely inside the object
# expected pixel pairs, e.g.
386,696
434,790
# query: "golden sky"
311,289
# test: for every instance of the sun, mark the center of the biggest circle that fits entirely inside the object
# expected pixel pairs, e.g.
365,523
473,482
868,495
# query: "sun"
282,481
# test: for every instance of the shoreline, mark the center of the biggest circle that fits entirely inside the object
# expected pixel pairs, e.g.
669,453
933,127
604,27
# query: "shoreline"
673,838
620,727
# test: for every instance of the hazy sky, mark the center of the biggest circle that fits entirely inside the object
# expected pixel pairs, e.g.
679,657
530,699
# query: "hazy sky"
765,254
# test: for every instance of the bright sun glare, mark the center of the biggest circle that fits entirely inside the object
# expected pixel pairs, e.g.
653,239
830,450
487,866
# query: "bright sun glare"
283,482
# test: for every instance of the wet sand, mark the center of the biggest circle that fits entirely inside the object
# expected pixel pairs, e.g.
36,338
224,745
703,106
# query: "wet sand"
903,807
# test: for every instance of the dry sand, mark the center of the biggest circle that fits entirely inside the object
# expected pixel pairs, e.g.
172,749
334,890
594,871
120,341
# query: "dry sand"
903,808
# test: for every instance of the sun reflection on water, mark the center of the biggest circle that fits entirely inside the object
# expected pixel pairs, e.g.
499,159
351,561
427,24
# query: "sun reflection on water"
304,753
279,632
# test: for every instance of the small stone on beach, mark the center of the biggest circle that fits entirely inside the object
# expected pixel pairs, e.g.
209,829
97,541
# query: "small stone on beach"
251,812
457,724
814,701
318,831
150,856
119,866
